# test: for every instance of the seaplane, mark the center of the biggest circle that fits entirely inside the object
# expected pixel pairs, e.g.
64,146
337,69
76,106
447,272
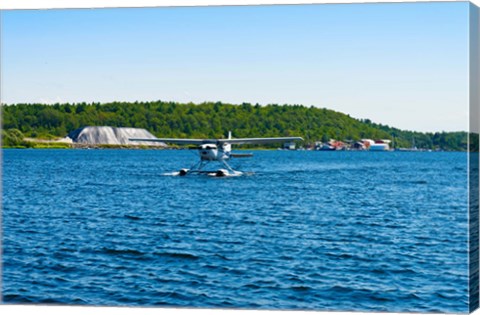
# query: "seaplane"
217,150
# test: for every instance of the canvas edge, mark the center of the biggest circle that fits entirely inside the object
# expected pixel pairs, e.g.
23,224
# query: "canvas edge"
473,157
1,156
473,135
88,4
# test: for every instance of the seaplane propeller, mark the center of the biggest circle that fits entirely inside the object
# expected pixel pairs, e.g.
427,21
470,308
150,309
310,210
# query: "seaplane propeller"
217,150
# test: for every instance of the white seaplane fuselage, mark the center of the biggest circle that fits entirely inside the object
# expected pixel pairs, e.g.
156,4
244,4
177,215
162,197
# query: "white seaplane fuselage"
211,152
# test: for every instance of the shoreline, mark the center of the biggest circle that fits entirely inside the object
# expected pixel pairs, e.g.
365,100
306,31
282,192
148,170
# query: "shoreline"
128,147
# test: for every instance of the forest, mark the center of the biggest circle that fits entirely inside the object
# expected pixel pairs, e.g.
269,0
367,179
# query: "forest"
212,120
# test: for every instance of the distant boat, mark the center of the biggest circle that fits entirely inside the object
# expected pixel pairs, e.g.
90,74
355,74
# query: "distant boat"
379,147
326,147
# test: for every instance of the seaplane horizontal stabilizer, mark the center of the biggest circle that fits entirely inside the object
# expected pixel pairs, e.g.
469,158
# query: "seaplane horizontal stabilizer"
241,155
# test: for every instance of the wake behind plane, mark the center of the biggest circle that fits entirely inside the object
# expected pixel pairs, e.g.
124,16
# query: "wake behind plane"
217,150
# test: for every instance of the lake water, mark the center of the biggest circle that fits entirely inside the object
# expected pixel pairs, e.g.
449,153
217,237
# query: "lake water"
367,231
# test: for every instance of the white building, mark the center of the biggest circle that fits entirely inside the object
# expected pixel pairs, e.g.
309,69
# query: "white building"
289,145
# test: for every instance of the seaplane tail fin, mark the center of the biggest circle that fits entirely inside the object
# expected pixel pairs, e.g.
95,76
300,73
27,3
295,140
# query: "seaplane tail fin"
259,140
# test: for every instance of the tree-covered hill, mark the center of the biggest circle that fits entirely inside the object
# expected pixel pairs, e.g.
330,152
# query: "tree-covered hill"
213,120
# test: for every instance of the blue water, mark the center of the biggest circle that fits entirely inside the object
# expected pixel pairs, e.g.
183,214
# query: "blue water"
367,231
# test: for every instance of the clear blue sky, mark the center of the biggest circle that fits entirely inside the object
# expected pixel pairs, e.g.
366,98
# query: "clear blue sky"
405,65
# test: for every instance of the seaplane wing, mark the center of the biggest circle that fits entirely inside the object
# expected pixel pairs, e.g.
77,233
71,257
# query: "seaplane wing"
221,141
178,141
258,140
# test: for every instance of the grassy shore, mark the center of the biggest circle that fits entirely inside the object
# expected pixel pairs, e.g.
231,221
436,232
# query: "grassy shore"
45,145
41,143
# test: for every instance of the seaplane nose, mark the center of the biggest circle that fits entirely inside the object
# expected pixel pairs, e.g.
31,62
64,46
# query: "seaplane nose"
208,152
